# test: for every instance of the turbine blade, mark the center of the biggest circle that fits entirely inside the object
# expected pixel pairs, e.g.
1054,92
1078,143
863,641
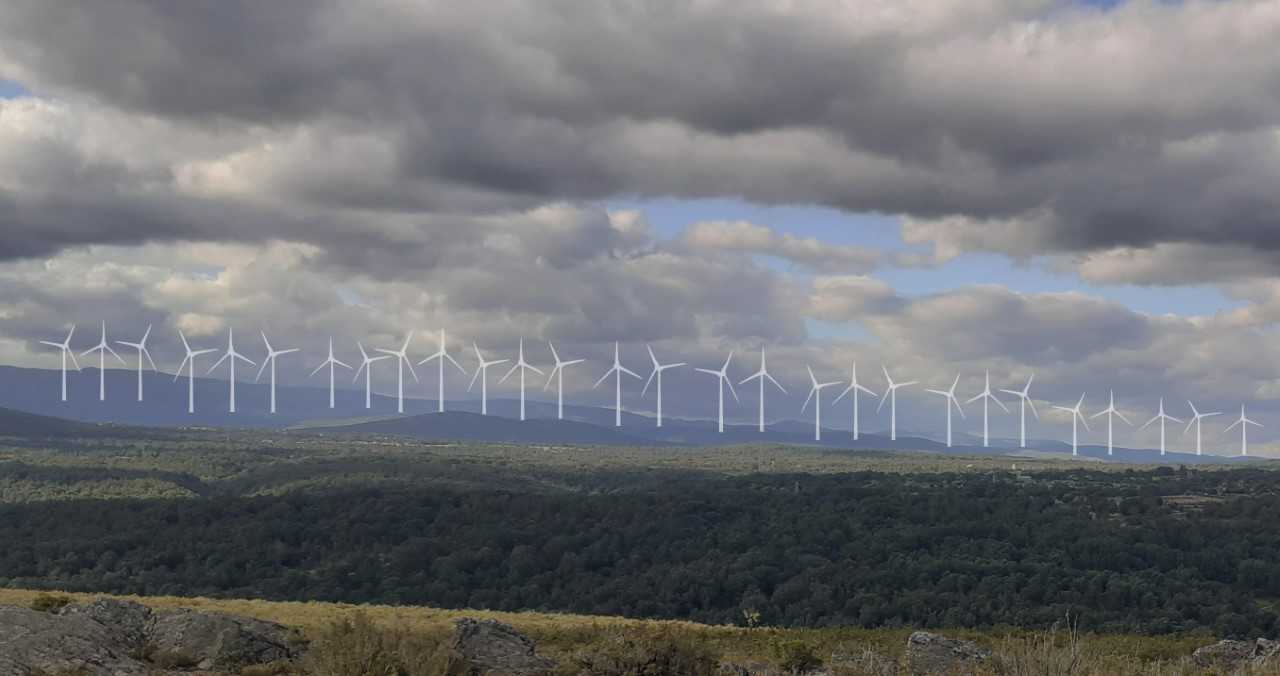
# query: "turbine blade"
554,356
151,361
479,370
707,371
535,369
408,364
454,362
867,390
318,368
1148,423
1032,403
647,382
1085,423
266,361
180,367
551,376
883,399
840,396
571,363
998,402
776,383
343,365
731,390
503,379
363,365
806,399
959,408
629,372
604,377
218,363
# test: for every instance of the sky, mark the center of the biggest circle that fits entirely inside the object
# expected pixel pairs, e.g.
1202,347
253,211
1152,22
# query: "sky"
1083,191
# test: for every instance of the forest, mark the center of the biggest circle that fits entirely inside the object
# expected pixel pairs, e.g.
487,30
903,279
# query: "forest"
1152,550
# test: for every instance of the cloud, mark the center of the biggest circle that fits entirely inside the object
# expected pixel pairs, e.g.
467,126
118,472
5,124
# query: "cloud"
806,252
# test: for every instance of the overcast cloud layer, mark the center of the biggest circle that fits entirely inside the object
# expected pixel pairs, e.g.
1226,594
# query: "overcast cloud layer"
361,170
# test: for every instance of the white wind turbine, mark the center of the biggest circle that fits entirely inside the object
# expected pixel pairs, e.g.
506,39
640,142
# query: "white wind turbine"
102,348
443,355
762,375
1076,417
1025,400
331,362
190,362
231,355
482,373
143,352
522,366
950,396
402,360
1196,417
723,377
272,355
1162,417
854,387
1112,412
366,367
65,347
891,396
616,370
557,373
986,397
815,394
657,372
1244,423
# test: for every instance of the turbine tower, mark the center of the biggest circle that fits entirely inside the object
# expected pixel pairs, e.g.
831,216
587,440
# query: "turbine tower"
443,355
1196,417
1076,417
190,362
950,396
65,347
616,370
891,396
141,347
558,374
815,394
481,371
763,375
102,348
723,379
1025,400
986,397
231,355
331,362
1162,417
1244,423
854,387
366,367
657,372
272,355
522,366
1112,412
402,360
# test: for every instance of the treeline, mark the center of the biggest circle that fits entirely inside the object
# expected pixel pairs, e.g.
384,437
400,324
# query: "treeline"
869,549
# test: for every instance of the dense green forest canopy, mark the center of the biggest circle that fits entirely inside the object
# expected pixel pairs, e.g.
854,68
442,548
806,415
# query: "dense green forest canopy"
712,535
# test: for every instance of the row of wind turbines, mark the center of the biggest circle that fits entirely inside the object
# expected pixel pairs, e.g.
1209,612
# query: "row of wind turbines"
521,367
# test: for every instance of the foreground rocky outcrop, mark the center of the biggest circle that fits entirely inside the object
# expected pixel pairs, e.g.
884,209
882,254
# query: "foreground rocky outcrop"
108,637
1231,655
491,648
929,653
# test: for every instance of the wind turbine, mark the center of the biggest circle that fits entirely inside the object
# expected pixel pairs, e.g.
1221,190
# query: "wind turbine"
1112,412
1244,424
558,374
272,355
481,371
522,366
854,387
1025,400
1196,417
815,394
402,360
1162,417
763,375
231,355
1076,417
891,396
616,370
65,347
986,397
141,347
331,362
190,362
366,366
657,371
443,355
950,396
102,348
723,376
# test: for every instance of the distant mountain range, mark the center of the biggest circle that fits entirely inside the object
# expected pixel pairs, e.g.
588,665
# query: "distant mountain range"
35,391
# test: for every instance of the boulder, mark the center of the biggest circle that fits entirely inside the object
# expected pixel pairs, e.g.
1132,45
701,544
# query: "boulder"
31,640
128,622
491,648
1230,655
205,640
929,653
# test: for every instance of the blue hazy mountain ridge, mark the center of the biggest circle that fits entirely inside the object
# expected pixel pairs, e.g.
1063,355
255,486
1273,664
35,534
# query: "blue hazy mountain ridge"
35,391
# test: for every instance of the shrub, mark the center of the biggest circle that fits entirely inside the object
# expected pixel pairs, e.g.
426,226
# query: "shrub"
796,657
633,653
49,603
356,646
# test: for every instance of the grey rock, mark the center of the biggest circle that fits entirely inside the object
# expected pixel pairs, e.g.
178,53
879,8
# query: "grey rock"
128,622
1230,655
929,653
33,640
208,640
491,648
